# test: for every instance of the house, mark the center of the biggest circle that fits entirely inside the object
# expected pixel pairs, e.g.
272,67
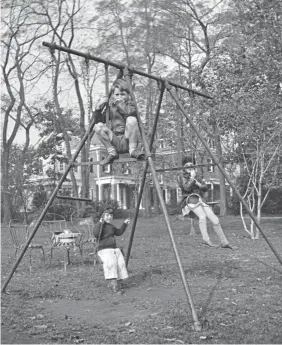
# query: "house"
120,181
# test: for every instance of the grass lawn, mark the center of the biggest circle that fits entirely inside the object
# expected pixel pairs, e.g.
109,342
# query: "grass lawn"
237,293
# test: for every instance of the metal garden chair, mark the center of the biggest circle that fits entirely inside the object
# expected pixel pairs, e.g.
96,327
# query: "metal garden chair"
85,227
19,232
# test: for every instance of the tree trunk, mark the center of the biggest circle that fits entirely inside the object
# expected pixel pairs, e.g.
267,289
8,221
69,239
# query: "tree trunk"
147,201
5,185
223,199
156,202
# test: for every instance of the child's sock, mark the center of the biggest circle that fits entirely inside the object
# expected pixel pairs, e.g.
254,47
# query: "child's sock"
132,147
112,151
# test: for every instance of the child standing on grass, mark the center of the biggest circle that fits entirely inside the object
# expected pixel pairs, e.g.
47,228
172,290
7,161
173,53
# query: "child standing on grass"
113,261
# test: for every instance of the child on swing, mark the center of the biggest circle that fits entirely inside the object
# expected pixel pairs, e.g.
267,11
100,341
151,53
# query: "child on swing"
113,261
122,137
193,189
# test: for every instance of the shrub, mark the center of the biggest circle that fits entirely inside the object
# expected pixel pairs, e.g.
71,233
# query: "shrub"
173,209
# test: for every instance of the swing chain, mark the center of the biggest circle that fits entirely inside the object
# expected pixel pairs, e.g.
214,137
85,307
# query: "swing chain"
109,198
53,68
88,89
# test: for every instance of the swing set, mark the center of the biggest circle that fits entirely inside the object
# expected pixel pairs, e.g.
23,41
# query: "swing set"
163,85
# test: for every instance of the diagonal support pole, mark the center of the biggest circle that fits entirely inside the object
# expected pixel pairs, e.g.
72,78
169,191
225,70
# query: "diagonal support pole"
143,179
49,203
216,161
197,324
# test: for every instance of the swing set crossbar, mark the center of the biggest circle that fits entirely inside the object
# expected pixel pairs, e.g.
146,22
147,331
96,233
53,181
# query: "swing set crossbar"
65,197
119,66
118,161
181,167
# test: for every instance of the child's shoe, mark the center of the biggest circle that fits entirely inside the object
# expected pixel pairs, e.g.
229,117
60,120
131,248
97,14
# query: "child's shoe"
138,155
114,287
109,159
227,246
209,244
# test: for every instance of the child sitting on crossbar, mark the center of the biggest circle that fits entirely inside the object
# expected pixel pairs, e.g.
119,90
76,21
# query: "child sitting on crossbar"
122,136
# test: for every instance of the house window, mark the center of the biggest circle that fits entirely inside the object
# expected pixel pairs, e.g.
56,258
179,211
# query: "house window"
75,168
91,165
40,166
178,194
106,168
211,143
210,168
66,191
126,169
61,166
60,148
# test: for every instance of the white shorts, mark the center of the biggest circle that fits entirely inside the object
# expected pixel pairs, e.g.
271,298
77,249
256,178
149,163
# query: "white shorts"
113,263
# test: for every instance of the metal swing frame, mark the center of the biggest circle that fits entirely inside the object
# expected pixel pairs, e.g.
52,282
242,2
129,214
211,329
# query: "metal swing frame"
168,85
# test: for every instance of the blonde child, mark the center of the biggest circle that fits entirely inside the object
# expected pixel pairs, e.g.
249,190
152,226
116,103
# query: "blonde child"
113,261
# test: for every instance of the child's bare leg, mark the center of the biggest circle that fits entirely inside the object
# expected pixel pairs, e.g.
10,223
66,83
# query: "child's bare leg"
105,135
131,132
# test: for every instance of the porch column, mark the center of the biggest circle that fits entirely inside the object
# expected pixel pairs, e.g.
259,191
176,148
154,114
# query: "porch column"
212,191
118,194
112,190
166,195
124,198
100,192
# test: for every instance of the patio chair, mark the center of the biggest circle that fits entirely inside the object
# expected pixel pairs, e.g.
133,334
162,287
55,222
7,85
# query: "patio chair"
60,237
85,227
20,232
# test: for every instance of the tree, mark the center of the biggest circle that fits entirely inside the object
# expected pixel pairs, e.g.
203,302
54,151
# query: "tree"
62,18
192,33
22,166
248,95
20,69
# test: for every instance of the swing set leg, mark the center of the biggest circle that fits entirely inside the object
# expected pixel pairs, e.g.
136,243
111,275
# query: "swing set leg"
150,162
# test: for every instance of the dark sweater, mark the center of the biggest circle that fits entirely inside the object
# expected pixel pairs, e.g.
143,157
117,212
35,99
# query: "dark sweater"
107,238
189,186
118,115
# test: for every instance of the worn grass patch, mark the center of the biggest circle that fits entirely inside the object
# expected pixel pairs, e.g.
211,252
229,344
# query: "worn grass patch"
237,293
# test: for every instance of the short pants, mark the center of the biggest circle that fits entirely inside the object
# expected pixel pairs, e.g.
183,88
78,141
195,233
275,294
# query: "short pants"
120,142
113,263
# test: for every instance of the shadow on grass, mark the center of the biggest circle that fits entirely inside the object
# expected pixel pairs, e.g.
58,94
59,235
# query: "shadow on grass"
138,279
208,300
268,265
